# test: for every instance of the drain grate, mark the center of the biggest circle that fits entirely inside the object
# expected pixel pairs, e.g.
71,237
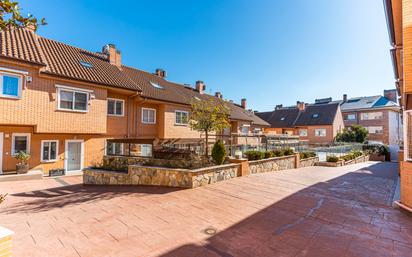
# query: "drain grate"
210,231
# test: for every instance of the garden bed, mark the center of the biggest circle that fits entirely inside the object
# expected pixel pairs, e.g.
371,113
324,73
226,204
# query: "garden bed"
159,176
339,163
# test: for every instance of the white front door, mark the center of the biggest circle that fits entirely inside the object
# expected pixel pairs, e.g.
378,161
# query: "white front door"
1,152
74,155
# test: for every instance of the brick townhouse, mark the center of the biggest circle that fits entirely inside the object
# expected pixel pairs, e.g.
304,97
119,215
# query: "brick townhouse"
316,123
62,104
380,115
399,23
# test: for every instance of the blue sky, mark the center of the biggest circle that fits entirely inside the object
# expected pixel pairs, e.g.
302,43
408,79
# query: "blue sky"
270,52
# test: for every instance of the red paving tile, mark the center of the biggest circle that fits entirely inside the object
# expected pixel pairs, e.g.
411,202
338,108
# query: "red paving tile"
312,211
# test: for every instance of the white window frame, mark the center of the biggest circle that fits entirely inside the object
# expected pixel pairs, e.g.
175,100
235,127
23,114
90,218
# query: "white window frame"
13,136
306,132
316,134
114,154
368,113
181,124
73,90
20,86
57,151
349,114
369,127
154,118
406,156
115,101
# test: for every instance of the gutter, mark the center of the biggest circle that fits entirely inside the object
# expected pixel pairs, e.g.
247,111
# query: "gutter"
387,4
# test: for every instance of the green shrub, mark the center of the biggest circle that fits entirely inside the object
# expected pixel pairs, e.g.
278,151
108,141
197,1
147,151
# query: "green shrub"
376,149
306,155
288,151
269,155
218,153
278,153
332,159
253,155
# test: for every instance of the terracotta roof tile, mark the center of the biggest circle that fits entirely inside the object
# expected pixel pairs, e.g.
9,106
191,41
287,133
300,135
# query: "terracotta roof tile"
65,61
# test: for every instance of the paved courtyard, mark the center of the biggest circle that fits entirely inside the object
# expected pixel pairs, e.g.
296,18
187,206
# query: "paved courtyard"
314,211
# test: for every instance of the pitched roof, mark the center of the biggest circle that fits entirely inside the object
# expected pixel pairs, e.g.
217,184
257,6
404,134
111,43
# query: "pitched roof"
367,102
281,118
63,60
318,114
313,114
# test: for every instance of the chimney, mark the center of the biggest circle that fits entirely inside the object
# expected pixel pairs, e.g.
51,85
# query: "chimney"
200,86
391,95
219,95
160,73
243,103
301,105
279,106
115,56
345,97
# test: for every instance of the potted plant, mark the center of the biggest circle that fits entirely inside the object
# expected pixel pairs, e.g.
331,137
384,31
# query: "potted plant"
22,167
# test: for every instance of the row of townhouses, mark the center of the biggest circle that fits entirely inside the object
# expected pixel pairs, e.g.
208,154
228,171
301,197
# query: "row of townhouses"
67,106
319,122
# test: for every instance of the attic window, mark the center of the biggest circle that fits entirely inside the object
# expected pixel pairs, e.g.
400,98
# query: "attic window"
315,115
283,118
353,100
155,85
86,64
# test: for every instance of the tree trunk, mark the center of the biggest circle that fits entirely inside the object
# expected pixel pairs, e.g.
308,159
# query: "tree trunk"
207,144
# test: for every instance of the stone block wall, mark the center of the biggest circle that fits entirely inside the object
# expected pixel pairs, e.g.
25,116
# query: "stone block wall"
308,162
156,176
272,164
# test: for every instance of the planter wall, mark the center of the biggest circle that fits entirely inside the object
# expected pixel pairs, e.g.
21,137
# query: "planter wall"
308,162
272,164
363,158
156,176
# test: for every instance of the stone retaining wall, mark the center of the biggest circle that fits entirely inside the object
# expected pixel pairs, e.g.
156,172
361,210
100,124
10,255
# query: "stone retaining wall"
272,164
363,158
308,162
156,176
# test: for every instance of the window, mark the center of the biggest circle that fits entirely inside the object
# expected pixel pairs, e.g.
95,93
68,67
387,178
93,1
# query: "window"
49,150
148,116
244,130
156,85
20,143
371,115
145,150
10,85
315,115
320,132
351,116
182,117
86,64
72,100
113,148
303,132
375,129
115,107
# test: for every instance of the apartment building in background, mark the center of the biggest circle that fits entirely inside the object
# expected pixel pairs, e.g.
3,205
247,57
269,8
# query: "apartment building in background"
68,107
316,123
399,23
380,115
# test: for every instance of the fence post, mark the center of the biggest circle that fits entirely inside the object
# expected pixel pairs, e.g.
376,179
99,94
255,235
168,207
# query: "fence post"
297,160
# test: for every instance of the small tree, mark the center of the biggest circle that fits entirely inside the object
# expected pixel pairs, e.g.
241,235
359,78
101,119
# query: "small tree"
218,152
355,133
211,115
10,17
